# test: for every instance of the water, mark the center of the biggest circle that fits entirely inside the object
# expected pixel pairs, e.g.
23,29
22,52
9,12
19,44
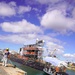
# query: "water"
32,71
29,70
70,72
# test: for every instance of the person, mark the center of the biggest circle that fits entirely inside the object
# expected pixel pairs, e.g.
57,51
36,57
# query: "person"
21,52
6,56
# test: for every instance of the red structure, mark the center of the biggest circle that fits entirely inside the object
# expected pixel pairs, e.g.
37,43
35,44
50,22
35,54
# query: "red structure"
33,51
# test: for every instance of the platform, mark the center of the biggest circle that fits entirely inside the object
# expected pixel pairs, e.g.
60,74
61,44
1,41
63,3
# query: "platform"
10,70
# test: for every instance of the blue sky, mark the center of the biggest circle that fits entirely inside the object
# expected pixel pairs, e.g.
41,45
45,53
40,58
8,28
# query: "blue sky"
23,21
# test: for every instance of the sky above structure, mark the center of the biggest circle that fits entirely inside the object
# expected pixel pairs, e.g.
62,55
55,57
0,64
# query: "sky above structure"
23,21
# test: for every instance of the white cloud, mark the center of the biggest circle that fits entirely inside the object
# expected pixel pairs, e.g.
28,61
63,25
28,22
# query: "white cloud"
57,21
12,3
13,38
20,27
62,7
35,9
11,9
69,57
23,9
6,9
18,38
22,37
47,1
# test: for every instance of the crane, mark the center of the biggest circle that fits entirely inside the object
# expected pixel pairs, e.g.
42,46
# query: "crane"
53,52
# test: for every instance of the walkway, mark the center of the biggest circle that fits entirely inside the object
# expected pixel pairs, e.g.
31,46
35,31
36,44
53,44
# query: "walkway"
2,71
10,70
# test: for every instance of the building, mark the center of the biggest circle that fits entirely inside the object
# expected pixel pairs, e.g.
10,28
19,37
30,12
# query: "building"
32,51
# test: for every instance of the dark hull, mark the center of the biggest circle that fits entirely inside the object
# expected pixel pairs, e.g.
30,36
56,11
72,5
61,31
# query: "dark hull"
34,64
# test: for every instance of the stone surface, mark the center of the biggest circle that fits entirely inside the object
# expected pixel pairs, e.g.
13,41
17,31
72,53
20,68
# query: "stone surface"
10,70
2,71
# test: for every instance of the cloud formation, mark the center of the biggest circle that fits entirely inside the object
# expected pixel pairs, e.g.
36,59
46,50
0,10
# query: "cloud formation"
20,27
7,9
58,21
11,9
18,39
23,9
69,57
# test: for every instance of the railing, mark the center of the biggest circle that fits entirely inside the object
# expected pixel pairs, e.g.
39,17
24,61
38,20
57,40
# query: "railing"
30,53
32,48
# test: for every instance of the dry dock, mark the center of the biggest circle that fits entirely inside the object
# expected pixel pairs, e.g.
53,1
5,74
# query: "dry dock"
11,71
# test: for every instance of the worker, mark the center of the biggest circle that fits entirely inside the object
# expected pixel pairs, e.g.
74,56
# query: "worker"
6,56
21,53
